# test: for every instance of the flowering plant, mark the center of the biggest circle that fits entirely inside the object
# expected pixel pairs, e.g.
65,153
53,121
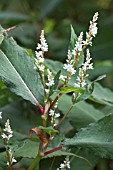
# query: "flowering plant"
59,92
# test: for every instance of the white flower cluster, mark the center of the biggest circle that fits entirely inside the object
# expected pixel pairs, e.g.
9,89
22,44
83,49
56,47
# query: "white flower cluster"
83,71
8,133
42,47
54,115
69,65
12,159
92,30
79,45
50,81
0,115
65,165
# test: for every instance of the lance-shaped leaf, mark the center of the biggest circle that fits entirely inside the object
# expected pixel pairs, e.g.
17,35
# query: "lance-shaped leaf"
73,39
97,137
17,71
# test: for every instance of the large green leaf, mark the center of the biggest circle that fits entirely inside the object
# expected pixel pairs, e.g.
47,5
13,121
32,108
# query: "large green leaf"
17,71
102,95
97,137
82,113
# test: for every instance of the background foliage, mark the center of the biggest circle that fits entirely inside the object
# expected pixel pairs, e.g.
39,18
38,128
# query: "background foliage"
55,17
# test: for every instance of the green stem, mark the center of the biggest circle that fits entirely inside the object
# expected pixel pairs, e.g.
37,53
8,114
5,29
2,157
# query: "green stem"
35,162
59,124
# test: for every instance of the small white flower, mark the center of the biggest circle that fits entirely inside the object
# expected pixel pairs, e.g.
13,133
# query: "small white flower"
62,77
4,136
62,165
51,112
69,68
41,60
47,91
54,124
38,46
50,83
41,68
13,160
57,115
77,85
0,115
74,52
68,165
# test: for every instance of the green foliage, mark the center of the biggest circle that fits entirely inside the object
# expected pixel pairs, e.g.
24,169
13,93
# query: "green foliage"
97,137
17,71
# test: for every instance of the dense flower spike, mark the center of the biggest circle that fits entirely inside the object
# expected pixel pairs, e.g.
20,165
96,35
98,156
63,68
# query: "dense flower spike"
92,30
69,66
54,115
79,45
83,71
8,133
65,164
42,47
11,158
0,115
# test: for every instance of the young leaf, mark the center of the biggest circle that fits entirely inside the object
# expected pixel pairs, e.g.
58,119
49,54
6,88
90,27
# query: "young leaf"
97,137
71,89
56,80
73,39
17,71
87,93
48,130
100,77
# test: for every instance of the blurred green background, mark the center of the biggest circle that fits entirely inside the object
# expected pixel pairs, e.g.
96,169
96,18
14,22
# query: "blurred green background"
55,17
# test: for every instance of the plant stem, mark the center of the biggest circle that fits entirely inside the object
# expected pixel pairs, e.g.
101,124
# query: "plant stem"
57,127
65,115
35,162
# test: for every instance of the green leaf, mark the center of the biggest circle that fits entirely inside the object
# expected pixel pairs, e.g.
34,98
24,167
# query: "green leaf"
97,137
102,95
56,81
1,37
87,92
71,89
17,71
81,164
29,149
48,130
82,113
80,60
100,77
73,39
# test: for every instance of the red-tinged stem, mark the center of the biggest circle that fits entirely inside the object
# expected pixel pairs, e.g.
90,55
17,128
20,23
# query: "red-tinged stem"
40,107
53,150
41,110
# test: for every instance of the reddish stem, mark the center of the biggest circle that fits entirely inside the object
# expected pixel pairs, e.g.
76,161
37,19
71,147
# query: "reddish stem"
53,150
